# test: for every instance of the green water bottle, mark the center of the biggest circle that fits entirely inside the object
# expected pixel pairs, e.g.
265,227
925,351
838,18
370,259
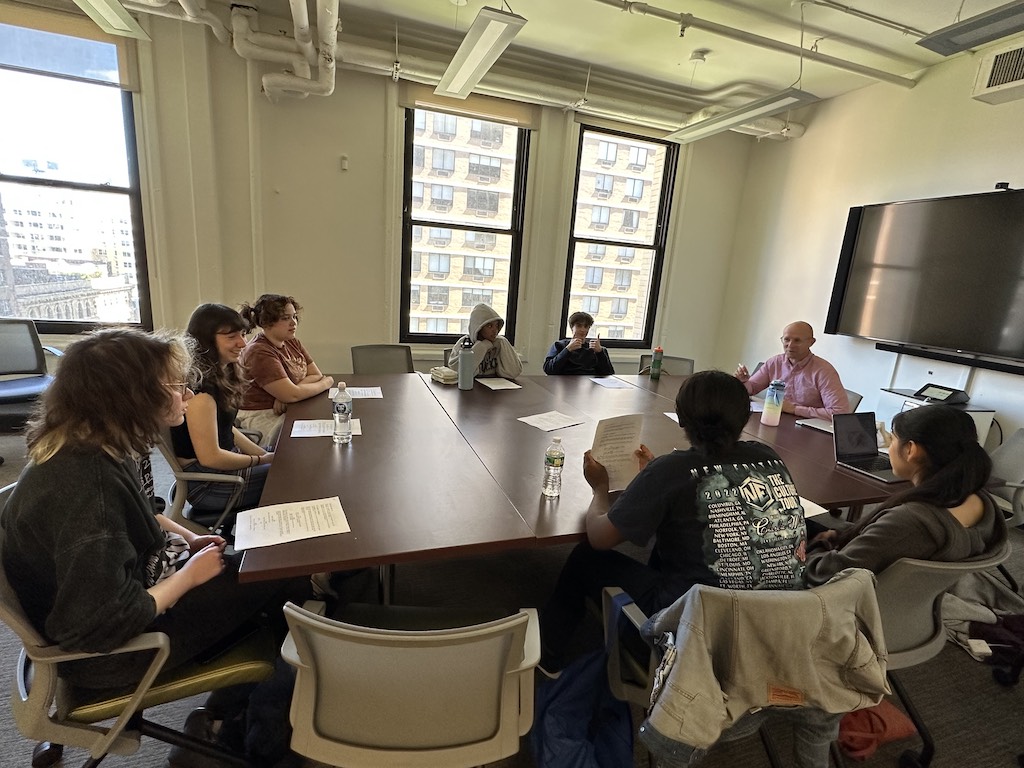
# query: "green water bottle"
659,353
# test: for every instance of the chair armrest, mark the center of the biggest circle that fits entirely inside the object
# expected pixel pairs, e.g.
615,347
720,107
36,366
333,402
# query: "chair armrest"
53,351
208,477
144,642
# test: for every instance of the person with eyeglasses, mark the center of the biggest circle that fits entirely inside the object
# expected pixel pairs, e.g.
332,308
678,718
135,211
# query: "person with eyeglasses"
813,386
280,369
209,441
90,561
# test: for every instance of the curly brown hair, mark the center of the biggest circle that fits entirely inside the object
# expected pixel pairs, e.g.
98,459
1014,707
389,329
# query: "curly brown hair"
109,392
267,309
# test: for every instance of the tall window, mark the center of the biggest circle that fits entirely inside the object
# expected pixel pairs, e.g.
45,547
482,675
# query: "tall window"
634,230
72,253
475,216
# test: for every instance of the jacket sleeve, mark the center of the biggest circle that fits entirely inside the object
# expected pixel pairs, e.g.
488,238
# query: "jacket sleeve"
509,364
604,364
554,363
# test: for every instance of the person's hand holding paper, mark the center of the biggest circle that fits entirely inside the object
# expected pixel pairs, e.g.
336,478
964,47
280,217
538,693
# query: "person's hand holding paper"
615,443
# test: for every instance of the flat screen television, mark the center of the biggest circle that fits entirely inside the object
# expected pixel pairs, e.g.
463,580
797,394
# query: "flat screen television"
946,273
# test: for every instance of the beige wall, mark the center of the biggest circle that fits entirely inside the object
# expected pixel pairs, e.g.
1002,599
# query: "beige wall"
878,144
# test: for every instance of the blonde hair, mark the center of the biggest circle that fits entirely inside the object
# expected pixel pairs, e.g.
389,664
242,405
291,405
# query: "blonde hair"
109,392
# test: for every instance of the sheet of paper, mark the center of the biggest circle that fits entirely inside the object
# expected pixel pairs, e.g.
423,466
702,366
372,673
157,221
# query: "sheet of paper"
550,420
614,443
610,382
756,406
365,393
264,526
811,509
320,428
496,383
672,416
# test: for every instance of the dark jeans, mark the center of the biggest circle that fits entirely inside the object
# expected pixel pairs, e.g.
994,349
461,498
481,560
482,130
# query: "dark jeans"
586,573
201,618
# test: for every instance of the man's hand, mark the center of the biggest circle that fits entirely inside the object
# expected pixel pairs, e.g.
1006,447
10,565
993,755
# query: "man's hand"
644,456
595,473
574,343
742,373
788,407
596,345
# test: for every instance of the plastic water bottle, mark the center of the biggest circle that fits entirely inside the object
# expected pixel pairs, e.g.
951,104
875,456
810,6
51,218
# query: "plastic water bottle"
342,415
659,353
467,364
773,403
554,458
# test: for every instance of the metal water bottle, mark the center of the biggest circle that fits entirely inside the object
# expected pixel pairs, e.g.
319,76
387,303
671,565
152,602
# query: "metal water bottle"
467,364
773,403
659,353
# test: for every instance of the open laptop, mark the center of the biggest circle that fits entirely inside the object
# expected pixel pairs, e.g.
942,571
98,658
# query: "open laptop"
857,447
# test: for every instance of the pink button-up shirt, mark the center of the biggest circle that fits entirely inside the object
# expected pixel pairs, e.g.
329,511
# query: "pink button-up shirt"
812,385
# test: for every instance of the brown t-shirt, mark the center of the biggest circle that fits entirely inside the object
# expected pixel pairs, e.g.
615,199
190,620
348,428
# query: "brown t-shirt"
264,363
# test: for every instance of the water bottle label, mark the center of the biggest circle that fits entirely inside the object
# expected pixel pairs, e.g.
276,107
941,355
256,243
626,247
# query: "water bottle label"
343,408
554,461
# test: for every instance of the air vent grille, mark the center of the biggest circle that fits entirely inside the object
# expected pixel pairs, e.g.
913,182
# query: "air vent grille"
1007,67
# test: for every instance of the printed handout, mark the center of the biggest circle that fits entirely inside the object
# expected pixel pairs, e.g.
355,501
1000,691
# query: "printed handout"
610,382
320,428
494,383
358,392
277,524
614,443
550,420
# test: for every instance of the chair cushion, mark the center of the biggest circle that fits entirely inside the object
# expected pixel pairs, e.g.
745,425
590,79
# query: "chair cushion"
251,661
21,390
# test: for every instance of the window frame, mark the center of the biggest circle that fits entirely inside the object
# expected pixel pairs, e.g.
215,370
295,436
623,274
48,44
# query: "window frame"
484,225
659,241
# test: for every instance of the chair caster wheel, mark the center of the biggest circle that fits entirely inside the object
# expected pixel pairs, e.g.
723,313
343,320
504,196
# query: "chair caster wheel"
46,754
910,759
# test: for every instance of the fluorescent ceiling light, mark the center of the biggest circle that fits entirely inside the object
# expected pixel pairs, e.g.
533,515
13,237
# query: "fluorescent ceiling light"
984,28
485,41
787,99
112,17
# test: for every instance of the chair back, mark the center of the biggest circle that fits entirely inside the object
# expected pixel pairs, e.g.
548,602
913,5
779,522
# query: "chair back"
178,493
672,366
910,601
447,697
1008,464
382,358
854,398
20,348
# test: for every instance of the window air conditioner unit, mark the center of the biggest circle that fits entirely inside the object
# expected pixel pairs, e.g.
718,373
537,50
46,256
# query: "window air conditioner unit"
620,287
480,245
442,207
1000,75
636,166
617,316
445,136
437,275
479,278
592,286
436,307
625,259
486,144
599,225
631,199
606,163
629,230
439,241
602,194
443,172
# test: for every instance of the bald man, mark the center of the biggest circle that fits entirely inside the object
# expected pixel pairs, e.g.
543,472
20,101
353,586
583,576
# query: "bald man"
813,388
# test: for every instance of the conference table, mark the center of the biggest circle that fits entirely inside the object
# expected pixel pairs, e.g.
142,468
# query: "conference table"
441,473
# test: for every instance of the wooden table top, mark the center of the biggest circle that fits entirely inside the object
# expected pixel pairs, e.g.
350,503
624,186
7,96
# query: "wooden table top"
439,472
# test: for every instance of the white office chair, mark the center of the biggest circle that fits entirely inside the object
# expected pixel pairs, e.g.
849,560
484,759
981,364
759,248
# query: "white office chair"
854,398
1008,464
910,601
177,495
48,710
367,697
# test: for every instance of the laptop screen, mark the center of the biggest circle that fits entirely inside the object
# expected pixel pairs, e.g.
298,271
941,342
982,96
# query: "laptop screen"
854,435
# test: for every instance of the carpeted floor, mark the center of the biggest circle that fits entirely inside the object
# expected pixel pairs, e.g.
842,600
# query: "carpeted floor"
975,722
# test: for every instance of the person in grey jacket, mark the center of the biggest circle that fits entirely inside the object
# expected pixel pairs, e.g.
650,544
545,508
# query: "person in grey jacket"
494,354
90,562
945,515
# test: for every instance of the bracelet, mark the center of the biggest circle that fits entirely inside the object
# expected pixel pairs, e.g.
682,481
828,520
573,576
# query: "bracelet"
252,461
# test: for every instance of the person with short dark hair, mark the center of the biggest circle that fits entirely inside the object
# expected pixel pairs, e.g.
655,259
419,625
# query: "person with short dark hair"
279,367
724,512
946,514
578,355
209,441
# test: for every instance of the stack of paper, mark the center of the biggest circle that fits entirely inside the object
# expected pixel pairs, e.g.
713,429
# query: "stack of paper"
444,374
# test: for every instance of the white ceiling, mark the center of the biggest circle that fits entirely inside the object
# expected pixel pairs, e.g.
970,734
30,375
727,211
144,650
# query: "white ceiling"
592,33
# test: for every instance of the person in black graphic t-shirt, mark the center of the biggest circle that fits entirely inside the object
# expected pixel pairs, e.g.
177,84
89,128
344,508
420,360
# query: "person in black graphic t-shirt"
724,513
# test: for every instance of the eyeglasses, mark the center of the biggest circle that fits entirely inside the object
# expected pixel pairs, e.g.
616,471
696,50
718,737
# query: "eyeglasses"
181,386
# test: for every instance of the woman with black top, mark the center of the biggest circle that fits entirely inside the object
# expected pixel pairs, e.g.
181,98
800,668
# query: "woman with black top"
208,441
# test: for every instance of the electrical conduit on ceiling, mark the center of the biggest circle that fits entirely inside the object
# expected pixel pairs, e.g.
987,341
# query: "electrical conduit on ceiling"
686,20
327,24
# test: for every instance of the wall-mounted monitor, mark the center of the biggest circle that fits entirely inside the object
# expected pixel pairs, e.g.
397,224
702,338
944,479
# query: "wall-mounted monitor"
946,273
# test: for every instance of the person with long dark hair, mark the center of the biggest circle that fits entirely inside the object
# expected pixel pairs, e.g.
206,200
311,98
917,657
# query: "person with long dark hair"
945,515
724,512
90,562
208,441
280,369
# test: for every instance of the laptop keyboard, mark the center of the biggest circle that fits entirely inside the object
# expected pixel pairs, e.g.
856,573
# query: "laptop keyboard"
875,464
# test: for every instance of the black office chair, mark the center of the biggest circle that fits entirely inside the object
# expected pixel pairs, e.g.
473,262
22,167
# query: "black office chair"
21,354
382,358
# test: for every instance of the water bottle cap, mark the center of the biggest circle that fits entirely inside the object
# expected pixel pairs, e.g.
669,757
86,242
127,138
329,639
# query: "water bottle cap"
341,385
658,349
467,342
778,384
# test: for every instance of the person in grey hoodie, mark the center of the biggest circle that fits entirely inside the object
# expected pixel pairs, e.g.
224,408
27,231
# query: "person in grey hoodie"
946,514
494,354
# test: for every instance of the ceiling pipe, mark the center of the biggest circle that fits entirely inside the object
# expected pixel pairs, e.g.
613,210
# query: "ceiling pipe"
276,85
179,12
242,27
686,21
880,20
303,36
